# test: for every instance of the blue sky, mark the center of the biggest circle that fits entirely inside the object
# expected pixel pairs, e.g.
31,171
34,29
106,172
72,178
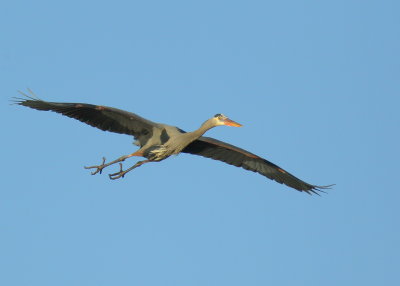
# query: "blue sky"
316,86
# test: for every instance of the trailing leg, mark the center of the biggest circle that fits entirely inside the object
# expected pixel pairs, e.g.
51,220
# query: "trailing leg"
122,173
99,168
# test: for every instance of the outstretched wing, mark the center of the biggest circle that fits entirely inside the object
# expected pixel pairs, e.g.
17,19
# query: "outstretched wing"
218,150
102,117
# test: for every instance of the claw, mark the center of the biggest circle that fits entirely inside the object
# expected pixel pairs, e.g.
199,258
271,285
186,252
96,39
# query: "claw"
122,173
119,174
99,168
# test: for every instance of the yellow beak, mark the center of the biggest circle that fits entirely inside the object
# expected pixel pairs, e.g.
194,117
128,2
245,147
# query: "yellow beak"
229,122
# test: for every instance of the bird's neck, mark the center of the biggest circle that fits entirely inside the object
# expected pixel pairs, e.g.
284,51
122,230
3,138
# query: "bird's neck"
203,129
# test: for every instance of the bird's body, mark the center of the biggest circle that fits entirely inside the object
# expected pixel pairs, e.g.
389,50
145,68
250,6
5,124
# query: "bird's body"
170,140
159,141
162,146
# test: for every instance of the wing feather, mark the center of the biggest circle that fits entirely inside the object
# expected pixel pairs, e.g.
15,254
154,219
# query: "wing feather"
102,117
230,154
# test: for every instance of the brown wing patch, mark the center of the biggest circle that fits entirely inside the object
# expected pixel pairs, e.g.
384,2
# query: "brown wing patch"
282,171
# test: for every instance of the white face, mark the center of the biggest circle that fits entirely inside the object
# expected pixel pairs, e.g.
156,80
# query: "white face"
219,119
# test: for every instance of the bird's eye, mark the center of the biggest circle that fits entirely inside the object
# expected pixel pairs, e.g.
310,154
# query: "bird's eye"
218,115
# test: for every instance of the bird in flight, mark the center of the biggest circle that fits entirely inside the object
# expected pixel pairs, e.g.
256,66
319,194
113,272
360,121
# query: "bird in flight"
159,141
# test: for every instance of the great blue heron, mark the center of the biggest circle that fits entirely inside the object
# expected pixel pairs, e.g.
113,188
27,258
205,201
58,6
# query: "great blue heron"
159,141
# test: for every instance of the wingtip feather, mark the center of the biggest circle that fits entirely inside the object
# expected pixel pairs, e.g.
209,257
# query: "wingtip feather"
319,189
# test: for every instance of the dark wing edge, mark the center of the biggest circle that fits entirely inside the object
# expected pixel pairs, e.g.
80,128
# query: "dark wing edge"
102,117
222,151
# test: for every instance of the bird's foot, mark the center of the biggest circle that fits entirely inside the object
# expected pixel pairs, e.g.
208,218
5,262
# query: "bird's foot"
99,168
122,173
119,174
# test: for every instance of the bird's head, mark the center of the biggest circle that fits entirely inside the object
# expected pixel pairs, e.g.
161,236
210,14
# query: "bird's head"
220,119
